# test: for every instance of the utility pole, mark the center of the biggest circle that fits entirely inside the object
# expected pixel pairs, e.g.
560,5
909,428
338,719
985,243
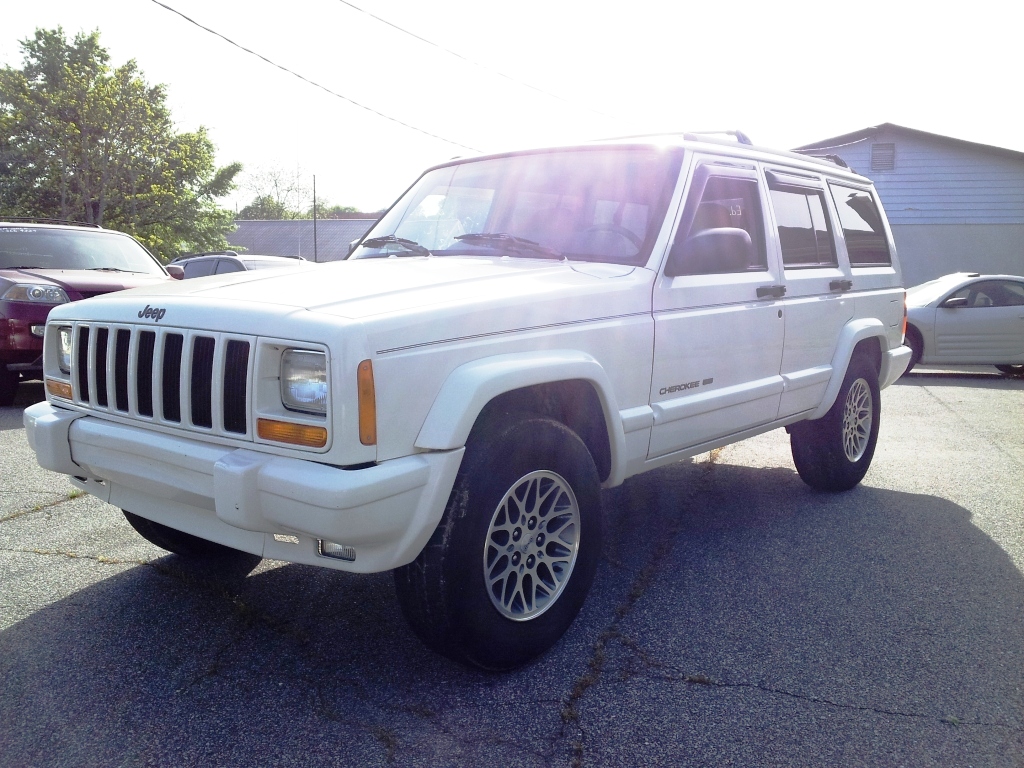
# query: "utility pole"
314,219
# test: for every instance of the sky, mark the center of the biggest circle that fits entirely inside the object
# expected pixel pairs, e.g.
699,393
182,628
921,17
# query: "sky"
378,105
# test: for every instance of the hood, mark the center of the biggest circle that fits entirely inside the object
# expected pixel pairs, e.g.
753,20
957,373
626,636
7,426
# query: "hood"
83,283
366,287
400,302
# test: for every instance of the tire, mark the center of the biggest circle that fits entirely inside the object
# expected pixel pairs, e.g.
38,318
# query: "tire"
9,381
464,596
833,453
916,344
179,542
1015,371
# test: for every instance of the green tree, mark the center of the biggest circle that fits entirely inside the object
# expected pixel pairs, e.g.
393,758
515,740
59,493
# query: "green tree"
82,141
265,208
325,210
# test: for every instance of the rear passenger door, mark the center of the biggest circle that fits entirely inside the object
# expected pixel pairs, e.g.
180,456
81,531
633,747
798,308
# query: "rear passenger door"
817,282
718,326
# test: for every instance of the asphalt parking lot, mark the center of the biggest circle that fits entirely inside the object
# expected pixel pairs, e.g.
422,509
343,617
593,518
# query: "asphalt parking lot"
738,619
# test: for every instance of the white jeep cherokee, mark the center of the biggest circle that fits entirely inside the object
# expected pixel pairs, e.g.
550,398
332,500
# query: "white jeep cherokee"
517,332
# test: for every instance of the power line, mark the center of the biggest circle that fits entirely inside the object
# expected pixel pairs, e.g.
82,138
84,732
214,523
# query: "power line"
310,82
450,52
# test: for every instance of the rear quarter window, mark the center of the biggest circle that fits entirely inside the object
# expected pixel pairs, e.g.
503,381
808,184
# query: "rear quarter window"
862,226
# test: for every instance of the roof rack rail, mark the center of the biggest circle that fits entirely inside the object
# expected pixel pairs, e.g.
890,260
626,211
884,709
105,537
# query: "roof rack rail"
740,136
48,220
835,159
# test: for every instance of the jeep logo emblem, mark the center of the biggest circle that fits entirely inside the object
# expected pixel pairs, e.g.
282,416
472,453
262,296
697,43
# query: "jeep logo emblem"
156,314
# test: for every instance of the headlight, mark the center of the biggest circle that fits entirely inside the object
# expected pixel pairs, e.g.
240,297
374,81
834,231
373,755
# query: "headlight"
43,294
304,381
64,345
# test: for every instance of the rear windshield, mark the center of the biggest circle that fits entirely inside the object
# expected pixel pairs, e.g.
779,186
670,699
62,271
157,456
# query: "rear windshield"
44,248
592,204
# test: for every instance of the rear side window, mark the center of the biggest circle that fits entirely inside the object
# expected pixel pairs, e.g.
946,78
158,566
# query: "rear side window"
862,227
199,267
805,234
227,265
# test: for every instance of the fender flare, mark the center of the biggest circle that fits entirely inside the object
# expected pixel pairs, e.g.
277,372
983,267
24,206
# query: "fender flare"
852,334
473,385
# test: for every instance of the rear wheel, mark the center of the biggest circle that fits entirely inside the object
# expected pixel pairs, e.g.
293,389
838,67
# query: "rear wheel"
1017,371
179,542
833,453
513,557
8,385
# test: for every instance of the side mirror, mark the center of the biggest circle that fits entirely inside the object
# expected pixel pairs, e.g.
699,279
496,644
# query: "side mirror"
954,302
712,251
176,271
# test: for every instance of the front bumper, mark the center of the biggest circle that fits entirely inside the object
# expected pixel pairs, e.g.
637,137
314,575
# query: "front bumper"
272,506
21,340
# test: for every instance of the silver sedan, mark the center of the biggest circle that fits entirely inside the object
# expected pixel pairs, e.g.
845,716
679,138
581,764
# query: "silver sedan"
968,319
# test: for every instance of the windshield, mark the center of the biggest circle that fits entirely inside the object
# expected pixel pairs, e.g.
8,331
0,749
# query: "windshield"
45,248
593,204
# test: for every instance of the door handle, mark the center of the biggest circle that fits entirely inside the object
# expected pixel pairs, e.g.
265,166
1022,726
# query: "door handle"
771,291
840,285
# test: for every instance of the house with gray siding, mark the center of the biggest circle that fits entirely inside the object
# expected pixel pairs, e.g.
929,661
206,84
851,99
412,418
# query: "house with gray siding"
328,241
954,205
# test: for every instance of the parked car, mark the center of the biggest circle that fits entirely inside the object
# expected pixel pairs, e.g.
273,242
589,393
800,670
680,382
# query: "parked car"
516,333
43,265
968,319
224,262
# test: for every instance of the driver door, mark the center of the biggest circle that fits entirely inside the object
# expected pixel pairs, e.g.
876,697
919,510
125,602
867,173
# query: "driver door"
718,320
987,327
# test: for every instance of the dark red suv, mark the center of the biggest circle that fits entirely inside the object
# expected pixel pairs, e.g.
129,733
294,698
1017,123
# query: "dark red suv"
43,265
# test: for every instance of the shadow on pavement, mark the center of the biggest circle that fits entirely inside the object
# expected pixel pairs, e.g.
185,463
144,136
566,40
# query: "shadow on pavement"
820,630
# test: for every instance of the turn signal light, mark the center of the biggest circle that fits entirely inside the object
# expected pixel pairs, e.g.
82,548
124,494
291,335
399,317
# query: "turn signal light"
58,388
367,403
294,434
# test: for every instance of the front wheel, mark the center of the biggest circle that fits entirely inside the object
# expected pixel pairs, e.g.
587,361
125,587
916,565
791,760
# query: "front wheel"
833,453
513,557
8,385
179,542
1015,371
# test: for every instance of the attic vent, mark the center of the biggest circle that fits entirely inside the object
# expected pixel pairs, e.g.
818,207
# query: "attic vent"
883,157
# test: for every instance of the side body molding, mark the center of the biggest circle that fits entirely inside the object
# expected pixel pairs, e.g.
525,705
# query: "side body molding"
852,334
471,386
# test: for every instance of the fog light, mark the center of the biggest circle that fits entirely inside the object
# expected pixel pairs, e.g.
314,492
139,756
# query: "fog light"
337,551
38,330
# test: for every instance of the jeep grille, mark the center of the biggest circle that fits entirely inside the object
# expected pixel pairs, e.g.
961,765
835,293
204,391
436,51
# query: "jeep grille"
191,380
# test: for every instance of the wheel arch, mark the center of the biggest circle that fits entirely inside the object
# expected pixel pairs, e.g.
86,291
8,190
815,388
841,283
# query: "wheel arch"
861,338
568,386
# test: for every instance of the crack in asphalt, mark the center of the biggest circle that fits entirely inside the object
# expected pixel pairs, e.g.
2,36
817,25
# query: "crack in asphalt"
39,507
74,556
959,417
699,679
598,658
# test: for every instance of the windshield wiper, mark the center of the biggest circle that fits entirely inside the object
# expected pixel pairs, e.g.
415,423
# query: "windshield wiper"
509,242
109,269
410,245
